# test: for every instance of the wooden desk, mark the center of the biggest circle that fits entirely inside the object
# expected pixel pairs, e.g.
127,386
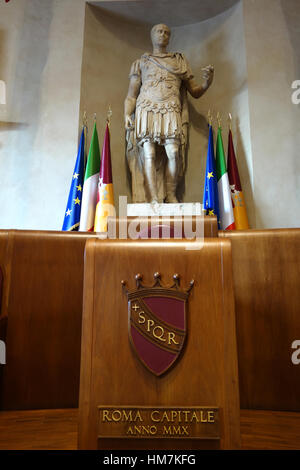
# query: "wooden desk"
266,276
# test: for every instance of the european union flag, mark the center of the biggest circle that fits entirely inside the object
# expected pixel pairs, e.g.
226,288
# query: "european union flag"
72,214
210,196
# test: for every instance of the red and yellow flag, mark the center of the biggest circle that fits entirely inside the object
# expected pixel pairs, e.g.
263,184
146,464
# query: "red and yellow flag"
239,207
105,200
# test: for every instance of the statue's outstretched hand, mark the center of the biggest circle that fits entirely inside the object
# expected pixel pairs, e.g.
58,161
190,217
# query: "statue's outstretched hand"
129,123
208,75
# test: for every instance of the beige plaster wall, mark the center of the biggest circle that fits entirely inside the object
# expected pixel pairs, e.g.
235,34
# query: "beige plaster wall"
112,43
273,63
110,46
40,62
220,41
254,47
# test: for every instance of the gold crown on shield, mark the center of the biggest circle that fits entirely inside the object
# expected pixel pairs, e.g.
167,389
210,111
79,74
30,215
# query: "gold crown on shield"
158,284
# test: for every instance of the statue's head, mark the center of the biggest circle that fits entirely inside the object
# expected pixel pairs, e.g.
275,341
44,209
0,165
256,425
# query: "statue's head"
160,35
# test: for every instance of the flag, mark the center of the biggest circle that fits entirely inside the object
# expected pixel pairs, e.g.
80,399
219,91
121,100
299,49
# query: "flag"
225,202
91,177
105,187
210,196
239,207
72,214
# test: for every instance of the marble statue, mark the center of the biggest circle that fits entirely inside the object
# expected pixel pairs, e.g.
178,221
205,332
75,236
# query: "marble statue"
156,119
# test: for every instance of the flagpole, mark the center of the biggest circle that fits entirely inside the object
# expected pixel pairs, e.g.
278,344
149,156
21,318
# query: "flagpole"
209,116
108,116
85,131
219,119
230,120
84,119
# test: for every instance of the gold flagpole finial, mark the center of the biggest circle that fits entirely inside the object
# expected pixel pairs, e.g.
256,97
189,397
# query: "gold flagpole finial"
229,120
109,114
219,119
209,116
95,117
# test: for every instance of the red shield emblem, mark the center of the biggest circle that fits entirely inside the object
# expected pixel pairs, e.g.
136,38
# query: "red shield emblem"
157,322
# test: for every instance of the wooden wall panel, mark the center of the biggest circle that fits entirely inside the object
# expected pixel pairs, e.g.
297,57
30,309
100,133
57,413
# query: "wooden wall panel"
44,311
5,255
4,281
266,274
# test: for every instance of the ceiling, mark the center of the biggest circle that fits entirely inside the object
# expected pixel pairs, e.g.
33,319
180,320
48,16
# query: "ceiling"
171,12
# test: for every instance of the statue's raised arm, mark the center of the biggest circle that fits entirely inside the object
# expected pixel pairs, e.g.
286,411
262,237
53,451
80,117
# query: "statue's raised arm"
156,117
198,90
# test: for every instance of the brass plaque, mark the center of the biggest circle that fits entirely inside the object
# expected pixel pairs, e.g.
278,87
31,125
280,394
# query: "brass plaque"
145,422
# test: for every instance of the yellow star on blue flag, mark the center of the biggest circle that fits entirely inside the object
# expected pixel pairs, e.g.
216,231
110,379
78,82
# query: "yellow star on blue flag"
73,210
210,195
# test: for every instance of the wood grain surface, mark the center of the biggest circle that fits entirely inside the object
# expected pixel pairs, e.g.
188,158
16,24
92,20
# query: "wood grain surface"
42,302
5,265
42,296
266,274
205,375
58,430
42,293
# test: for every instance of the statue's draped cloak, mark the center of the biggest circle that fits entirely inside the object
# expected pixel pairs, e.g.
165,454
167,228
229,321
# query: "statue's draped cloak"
161,115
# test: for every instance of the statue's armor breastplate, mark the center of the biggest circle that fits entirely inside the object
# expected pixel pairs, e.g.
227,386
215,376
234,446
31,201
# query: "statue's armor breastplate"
160,89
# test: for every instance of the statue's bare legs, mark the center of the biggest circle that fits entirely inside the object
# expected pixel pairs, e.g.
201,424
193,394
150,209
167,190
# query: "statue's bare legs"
172,151
150,170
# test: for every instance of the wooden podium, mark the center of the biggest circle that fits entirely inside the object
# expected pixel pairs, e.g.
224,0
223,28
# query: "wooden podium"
159,361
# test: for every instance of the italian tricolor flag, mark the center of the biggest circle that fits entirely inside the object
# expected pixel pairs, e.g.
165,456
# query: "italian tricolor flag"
90,186
225,202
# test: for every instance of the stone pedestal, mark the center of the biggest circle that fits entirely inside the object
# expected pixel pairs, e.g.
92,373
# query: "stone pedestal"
150,210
